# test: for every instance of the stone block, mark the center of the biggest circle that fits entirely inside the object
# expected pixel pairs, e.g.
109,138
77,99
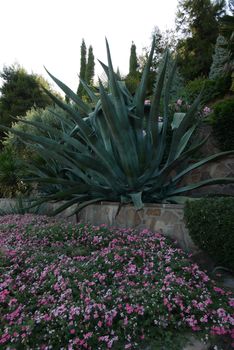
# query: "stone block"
153,212
128,217
219,170
169,217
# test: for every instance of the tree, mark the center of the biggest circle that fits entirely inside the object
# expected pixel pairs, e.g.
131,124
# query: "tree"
227,30
198,21
80,89
163,40
133,77
19,92
220,58
133,65
89,71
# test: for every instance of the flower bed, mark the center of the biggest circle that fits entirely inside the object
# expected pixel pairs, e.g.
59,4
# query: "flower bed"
83,287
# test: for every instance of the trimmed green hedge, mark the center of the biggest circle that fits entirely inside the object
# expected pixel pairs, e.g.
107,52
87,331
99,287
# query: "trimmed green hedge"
223,124
211,226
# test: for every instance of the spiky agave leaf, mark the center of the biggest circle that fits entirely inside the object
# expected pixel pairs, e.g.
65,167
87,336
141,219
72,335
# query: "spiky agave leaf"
108,155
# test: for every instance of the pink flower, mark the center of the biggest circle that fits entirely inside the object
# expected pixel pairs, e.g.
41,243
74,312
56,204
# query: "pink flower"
204,319
206,110
179,102
140,310
88,335
125,321
72,331
129,308
3,295
218,330
104,338
131,268
221,312
219,290
4,338
12,301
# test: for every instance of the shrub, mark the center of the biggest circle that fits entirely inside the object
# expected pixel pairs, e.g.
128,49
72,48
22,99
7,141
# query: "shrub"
193,88
211,225
47,116
223,124
212,89
132,82
10,174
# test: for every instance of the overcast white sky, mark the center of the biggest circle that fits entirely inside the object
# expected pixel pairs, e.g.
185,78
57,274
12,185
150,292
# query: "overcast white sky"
37,33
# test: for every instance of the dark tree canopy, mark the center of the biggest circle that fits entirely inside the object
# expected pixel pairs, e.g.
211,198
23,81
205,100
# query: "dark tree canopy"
198,21
19,92
227,30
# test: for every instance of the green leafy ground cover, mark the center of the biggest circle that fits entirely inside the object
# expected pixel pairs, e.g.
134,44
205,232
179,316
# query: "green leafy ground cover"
66,286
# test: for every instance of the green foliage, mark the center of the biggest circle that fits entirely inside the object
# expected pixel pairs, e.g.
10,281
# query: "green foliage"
165,40
10,174
19,92
212,89
116,151
132,82
223,123
51,116
220,58
89,71
82,67
211,226
198,21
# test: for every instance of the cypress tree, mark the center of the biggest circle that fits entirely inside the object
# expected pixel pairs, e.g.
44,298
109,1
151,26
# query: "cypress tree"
80,89
133,78
89,73
133,65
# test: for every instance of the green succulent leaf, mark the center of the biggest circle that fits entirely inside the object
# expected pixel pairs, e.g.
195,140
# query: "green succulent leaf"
221,180
177,119
137,200
111,150
94,98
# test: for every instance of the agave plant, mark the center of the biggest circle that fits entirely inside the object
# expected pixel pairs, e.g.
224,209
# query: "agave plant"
116,152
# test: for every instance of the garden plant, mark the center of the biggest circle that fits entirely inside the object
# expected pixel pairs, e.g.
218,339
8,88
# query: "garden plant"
66,286
116,151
